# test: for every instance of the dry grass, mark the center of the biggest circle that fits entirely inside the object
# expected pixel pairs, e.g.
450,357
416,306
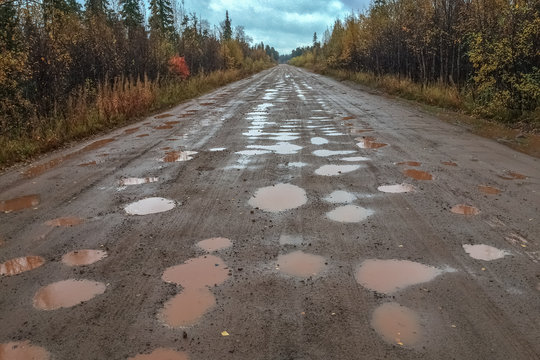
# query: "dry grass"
95,109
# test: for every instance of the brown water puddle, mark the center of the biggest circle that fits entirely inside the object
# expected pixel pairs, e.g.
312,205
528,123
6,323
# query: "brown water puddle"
142,135
19,265
214,244
348,118
163,127
65,221
186,308
359,131
395,189
389,276
409,163
22,350
172,122
67,293
464,210
20,203
148,206
484,252
162,116
162,354
448,163
300,264
417,174
184,115
131,131
397,324
489,190
335,170
40,169
90,163
368,142
197,273
512,175
83,257
177,156
137,181
278,198
349,214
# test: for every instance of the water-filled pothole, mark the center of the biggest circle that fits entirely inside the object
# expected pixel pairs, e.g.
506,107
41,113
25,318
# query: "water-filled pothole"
21,264
489,190
162,354
464,210
368,142
325,153
396,324
23,350
83,257
197,273
417,174
484,252
335,170
214,244
178,156
20,203
349,214
388,276
395,189
186,308
301,264
340,197
148,206
278,198
67,293
319,141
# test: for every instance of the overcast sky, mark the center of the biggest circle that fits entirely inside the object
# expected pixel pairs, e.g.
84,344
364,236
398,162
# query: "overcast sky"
283,24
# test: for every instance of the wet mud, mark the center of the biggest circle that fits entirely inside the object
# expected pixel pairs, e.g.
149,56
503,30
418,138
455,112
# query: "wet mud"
20,203
83,257
397,324
21,264
65,221
418,174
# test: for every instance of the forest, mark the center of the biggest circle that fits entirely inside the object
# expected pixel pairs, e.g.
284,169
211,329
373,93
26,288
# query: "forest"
68,71
481,56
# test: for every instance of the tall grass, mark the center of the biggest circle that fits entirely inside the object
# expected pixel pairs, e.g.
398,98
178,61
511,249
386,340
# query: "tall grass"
93,109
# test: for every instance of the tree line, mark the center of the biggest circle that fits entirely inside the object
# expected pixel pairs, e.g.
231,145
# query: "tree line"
487,49
53,50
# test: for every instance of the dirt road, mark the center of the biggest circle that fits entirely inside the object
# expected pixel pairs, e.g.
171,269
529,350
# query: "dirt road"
332,222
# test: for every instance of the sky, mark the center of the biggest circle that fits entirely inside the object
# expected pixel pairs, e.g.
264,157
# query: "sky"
283,24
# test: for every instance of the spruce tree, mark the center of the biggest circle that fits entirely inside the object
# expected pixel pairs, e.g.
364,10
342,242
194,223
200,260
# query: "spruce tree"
161,17
131,13
227,29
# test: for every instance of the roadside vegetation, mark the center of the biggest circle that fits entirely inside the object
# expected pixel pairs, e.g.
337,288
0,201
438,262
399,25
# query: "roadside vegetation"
481,57
68,71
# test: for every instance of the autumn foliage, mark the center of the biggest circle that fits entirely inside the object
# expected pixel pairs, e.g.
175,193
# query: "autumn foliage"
178,67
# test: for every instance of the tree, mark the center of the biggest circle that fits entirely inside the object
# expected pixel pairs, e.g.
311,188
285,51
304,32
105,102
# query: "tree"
161,19
227,29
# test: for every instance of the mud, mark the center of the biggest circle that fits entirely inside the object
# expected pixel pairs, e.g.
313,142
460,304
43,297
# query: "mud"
397,324
23,350
464,210
489,190
20,203
418,174
67,293
186,308
83,257
21,264
65,221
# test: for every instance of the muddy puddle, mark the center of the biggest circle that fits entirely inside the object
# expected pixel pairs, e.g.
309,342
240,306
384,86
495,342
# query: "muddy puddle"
206,103
349,214
186,308
325,153
282,148
368,142
173,122
137,181
83,257
389,276
131,131
319,141
87,164
163,127
197,273
396,189
67,293
489,190
417,174
348,118
214,244
300,264
162,354
42,168
148,206
142,135
484,252
340,197
397,324
290,239
354,159
23,350
448,163
409,163
512,175
359,131
178,156
163,116
21,264
65,221
20,203
278,198
335,170
464,210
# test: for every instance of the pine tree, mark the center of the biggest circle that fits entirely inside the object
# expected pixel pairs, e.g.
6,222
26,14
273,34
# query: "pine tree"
161,17
227,29
131,13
